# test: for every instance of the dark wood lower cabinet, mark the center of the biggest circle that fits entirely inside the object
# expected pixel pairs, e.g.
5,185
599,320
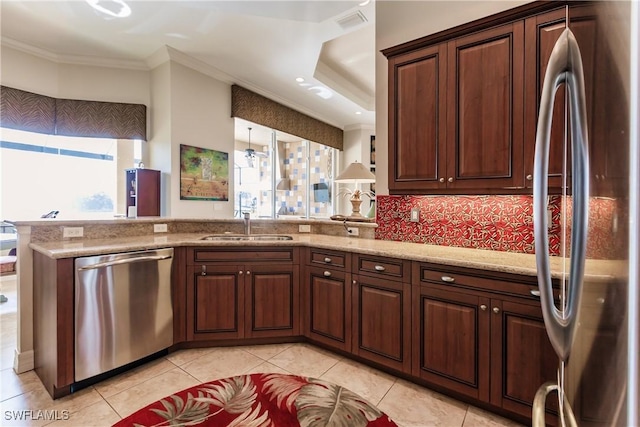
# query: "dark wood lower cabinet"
491,348
272,296
451,340
522,358
328,311
382,322
216,302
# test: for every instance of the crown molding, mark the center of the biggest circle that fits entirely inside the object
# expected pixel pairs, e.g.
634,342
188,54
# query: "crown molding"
92,61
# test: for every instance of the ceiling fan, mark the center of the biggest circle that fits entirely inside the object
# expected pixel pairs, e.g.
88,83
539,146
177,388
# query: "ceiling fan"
250,154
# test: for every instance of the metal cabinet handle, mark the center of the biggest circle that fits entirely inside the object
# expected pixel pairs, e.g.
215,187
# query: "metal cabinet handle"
565,66
327,260
535,293
483,307
450,179
496,310
327,274
204,270
529,177
448,279
124,261
441,180
379,268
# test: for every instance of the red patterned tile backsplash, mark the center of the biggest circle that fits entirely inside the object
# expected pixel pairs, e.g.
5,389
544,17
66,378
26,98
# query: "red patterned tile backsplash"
501,223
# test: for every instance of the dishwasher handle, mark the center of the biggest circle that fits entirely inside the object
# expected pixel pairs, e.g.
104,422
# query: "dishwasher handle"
124,261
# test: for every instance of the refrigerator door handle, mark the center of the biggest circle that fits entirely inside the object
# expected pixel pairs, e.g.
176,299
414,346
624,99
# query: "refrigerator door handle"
539,403
565,66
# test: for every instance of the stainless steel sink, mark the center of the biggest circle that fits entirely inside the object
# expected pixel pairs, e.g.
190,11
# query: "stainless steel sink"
245,237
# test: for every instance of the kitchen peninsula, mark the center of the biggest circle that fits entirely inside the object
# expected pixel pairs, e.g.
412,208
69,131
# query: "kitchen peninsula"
403,307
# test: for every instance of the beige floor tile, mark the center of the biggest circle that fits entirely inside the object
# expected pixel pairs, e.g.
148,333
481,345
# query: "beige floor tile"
477,417
221,362
305,360
14,384
267,368
7,356
360,379
267,351
100,414
130,400
134,377
410,405
181,357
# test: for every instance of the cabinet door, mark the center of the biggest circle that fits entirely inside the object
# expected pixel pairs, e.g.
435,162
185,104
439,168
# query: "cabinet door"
382,322
541,33
522,358
272,300
451,340
217,296
328,316
417,119
485,109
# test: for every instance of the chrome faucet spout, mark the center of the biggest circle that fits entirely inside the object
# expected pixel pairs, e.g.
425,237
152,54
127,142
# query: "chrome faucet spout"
247,223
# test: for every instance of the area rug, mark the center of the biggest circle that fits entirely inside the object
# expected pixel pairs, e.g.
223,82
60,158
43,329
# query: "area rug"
261,400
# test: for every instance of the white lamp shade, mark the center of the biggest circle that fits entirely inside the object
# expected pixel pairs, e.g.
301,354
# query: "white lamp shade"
356,172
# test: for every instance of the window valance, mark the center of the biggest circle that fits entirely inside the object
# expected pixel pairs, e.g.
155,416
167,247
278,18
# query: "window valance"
255,108
42,114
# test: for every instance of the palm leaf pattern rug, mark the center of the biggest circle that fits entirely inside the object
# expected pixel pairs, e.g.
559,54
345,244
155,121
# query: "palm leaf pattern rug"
261,400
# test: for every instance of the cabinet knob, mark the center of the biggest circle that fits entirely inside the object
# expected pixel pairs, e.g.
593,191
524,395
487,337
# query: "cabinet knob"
496,310
441,180
204,270
483,307
534,293
248,272
529,177
241,272
379,268
327,260
327,274
450,179
355,282
448,279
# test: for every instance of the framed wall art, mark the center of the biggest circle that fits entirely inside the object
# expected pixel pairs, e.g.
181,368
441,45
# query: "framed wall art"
204,174
372,160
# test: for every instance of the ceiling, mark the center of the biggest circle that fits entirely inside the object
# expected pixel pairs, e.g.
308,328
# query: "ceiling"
261,45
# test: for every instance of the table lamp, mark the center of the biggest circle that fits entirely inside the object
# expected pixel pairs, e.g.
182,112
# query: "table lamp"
356,173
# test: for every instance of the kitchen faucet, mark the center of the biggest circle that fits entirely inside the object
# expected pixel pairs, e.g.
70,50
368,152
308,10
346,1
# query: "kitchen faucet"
247,223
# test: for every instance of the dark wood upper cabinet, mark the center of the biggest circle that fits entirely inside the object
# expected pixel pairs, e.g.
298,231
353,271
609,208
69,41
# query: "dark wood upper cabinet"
485,109
541,33
417,119
143,191
456,114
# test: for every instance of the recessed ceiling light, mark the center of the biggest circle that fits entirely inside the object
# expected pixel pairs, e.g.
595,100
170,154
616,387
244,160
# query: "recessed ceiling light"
358,112
365,2
299,79
115,8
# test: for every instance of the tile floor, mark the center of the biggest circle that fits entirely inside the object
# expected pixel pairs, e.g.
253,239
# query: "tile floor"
106,402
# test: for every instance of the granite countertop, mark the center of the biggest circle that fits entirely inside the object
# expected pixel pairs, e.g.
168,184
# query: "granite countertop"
506,262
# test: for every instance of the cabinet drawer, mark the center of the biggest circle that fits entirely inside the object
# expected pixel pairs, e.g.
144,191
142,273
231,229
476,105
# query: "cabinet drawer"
503,283
327,258
389,268
241,255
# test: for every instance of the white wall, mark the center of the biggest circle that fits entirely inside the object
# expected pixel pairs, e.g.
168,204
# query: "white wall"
200,116
402,21
158,148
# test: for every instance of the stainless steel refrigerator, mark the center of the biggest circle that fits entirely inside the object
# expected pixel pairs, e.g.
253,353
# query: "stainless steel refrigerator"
592,317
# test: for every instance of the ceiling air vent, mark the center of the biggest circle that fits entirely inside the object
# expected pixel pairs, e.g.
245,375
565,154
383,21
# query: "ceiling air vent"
352,20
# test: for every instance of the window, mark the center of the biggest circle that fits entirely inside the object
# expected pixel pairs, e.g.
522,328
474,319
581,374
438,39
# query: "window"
283,176
75,176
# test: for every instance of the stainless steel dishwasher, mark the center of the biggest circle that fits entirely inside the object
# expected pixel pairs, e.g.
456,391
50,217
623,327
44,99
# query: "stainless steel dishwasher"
123,309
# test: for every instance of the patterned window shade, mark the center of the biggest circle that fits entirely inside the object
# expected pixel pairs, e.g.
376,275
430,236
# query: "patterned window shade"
42,114
27,111
101,119
255,108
